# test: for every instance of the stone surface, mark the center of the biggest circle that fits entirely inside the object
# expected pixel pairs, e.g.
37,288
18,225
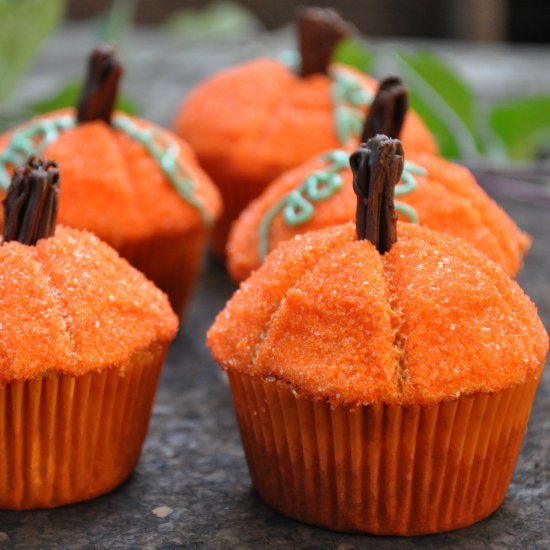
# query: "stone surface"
193,463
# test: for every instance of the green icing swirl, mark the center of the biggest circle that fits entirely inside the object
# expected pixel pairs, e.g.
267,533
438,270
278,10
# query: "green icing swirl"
165,151
37,135
406,186
348,98
31,140
298,206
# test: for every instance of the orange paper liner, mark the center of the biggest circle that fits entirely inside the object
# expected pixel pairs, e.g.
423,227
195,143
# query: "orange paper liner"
236,196
172,262
381,469
65,439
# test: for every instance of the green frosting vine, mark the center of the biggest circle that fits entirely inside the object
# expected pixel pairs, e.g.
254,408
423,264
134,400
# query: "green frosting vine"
31,140
349,99
165,151
37,135
407,185
298,206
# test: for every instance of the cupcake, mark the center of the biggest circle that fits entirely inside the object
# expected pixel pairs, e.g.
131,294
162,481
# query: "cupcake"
250,123
433,192
382,373
136,186
83,340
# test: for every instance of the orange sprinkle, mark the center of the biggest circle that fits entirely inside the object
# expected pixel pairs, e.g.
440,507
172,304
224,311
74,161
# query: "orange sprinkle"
251,123
112,186
428,321
259,119
71,305
448,200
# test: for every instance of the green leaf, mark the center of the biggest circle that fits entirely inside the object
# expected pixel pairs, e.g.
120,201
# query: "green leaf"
116,21
24,24
443,101
223,19
350,51
523,126
68,95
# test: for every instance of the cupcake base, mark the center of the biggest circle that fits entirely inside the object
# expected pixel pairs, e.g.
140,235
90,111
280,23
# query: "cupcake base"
381,469
172,262
65,439
236,194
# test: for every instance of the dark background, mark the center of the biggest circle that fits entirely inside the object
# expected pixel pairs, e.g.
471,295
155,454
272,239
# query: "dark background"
479,20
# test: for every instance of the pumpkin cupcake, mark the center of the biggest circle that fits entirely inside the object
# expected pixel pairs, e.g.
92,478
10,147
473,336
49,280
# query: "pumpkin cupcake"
134,185
83,340
433,192
383,373
250,123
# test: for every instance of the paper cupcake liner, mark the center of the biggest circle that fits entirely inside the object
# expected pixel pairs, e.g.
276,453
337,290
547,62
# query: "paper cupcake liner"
172,262
382,469
64,439
236,196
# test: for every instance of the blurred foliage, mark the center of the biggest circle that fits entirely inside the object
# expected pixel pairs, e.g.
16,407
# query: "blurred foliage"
68,96
24,25
351,52
517,129
116,21
21,19
112,26
523,126
445,103
222,19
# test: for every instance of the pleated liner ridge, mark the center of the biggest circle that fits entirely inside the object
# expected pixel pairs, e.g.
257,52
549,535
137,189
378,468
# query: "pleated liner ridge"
381,469
172,262
65,439
236,195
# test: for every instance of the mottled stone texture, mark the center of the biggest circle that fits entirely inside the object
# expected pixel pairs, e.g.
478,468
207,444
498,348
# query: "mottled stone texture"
191,488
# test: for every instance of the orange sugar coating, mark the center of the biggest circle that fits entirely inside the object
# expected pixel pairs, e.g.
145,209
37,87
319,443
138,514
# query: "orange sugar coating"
415,135
468,327
513,242
71,305
428,321
112,186
448,200
242,329
252,122
316,337
243,243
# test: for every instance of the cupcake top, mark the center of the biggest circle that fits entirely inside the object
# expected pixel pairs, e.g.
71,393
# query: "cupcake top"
258,119
123,178
420,320
433,192
436,193
68,303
